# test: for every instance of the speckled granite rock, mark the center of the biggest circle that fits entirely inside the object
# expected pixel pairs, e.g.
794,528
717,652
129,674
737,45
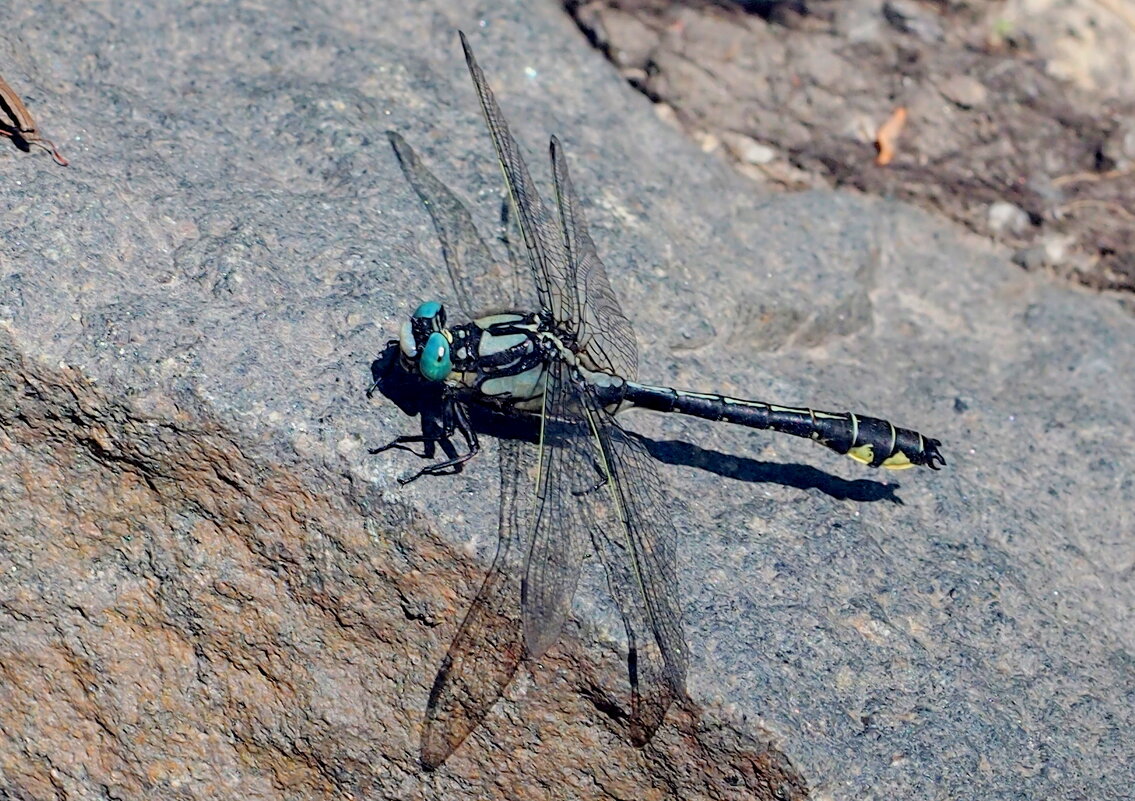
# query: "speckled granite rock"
208,589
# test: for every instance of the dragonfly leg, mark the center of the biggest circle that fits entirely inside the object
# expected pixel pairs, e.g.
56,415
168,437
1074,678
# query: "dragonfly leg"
403,444
453,419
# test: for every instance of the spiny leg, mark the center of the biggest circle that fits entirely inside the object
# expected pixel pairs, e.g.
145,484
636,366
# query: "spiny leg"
453,419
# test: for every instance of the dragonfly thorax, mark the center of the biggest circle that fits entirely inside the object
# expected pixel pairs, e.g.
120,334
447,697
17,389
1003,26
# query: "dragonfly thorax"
500,358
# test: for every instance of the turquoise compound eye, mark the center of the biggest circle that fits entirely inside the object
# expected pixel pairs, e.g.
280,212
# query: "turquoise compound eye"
435,363
429,310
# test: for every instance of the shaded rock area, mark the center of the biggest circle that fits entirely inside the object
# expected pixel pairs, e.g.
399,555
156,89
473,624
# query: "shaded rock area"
187,613
1033,147
210,590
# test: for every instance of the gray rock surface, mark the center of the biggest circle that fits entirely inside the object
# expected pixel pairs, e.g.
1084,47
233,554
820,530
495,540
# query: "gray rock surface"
208,589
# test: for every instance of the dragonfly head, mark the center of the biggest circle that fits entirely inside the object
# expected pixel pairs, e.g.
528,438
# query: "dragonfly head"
424,342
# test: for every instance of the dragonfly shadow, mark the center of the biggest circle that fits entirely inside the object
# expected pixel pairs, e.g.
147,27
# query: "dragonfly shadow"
741,468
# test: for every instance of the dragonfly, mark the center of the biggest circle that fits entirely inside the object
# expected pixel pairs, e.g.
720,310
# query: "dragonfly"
570,366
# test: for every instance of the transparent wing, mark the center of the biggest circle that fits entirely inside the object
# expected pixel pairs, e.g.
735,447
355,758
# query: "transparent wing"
589,476
517,255
570,279
593,479
603,331
489,646
637,542
543,240
480,282
560,526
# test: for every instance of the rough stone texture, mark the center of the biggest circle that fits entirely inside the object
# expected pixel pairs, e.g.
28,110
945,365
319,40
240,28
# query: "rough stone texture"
1087,42
191,614
209,590
993,111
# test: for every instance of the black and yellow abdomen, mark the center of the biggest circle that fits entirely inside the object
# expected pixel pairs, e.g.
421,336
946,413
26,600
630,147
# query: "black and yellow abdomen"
870,440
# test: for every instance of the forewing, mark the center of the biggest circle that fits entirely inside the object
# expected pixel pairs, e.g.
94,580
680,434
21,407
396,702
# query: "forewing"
489,645
480,282
542,238
524,288
603,331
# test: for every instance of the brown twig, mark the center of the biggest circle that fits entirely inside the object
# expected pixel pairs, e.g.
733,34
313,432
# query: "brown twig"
20,126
